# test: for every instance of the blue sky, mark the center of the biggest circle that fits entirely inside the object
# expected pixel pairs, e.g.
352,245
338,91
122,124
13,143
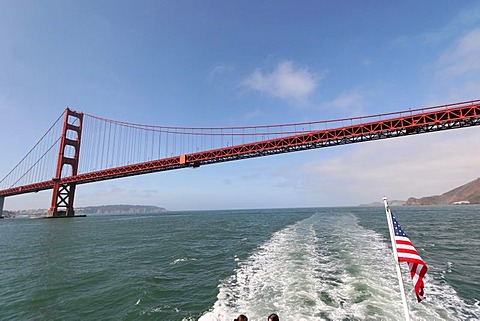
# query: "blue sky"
235,63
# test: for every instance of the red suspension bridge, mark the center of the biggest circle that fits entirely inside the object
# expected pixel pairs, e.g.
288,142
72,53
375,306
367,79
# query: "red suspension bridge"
81,148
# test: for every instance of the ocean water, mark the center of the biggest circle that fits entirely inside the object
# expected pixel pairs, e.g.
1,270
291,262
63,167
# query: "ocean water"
304,264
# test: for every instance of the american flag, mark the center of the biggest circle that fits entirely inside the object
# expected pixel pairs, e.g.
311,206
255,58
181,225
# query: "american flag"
407,253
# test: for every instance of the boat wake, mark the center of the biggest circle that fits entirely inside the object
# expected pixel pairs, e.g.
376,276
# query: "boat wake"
330,268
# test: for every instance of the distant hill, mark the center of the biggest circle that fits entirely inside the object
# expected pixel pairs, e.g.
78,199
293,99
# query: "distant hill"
7,214
391,203
120,209
105,209
465,194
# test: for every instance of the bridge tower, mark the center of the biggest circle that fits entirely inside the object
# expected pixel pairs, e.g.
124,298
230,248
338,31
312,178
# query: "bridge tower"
63,194
2,200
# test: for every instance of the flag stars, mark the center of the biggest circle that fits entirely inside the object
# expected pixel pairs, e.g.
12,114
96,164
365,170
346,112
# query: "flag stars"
397,228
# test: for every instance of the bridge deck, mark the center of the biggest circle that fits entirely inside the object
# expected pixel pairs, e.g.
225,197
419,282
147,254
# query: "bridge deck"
429,120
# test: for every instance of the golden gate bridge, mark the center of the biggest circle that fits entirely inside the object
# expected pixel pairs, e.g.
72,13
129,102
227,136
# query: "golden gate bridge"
80,148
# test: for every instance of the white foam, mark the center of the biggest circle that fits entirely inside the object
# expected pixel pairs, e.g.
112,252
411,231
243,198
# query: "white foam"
326,268
184,259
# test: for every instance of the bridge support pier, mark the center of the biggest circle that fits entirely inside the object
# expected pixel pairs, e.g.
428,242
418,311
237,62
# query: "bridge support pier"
2,200
62,200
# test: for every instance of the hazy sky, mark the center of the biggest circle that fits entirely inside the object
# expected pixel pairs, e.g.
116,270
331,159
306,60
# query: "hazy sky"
235,63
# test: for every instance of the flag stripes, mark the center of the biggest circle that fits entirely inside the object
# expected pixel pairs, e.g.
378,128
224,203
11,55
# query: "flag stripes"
406,252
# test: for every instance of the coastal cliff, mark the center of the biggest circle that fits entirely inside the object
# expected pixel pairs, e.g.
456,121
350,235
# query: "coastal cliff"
465,194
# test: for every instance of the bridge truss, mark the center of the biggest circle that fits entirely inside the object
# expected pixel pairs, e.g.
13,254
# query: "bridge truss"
112,149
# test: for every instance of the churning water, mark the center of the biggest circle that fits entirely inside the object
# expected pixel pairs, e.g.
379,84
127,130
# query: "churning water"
304,264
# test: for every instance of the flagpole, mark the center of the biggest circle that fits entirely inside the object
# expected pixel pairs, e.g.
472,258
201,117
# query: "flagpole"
395,255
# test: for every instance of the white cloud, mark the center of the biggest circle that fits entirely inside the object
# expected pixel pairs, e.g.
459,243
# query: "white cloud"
286,82
464,57
220,70
352,101
466,18
456,73
399,168
219,76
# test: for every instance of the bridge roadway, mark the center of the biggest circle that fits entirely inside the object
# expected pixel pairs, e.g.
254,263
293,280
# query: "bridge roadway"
465,114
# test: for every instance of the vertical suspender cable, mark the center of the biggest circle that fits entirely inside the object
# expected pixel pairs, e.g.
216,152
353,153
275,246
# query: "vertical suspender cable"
97,145
153,143
125,144
145,144
107,163
160,143
131,145
140,144
135,144
114,145
166,145
174,142
103,145
92,144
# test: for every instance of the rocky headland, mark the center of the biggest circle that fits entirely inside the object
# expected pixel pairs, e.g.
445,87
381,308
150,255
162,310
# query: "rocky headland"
465,194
